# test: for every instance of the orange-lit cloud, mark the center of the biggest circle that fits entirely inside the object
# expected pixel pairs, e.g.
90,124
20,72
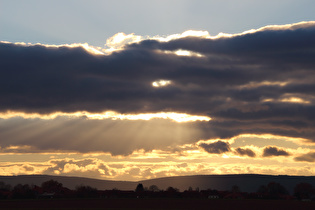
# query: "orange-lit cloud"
139,168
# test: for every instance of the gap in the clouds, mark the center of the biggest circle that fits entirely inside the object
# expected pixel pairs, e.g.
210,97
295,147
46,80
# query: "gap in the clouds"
268,139
174,116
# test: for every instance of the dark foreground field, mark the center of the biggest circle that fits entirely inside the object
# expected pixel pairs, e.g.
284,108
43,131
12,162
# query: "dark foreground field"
155,204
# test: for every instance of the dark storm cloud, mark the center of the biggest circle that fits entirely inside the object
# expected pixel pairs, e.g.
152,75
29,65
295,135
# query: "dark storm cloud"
216,147
260,82
309,157
274,151
41,79
246,151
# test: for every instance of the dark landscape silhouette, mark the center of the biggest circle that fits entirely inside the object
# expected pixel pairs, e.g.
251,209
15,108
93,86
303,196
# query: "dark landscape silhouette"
302,194
246,182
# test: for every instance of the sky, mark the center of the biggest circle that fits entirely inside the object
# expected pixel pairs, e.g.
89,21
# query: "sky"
134,90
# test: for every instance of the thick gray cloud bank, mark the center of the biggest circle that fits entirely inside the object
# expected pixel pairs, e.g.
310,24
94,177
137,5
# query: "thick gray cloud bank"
260,82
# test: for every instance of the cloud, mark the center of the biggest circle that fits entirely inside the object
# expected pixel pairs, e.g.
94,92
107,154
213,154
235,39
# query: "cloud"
144,165
309,157
28,168
216,147
255,82
246,151
119,40
70,79
274,151
84,167
138,170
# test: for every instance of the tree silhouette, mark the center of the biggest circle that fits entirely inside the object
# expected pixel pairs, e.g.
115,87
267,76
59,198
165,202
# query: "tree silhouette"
154,188
22,191
139,188
262,189
52,186
171,189
86,191
304,191
4,190
275,190
5,187
235,189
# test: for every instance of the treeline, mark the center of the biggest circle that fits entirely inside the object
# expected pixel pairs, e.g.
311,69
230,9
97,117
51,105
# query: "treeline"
53,189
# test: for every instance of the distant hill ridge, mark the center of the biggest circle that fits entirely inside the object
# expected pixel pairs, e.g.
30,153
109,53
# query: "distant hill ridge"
246,182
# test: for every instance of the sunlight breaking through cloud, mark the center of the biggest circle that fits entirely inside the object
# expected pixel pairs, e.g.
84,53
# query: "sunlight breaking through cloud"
161,83
183,53
177,117
296,100
140,107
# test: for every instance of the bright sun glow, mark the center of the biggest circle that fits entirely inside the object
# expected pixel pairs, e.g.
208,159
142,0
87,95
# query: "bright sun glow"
183,53
161,83
119,40
177,117
296,100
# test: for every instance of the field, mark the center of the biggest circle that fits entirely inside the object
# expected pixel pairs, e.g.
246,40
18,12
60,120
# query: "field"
155,204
